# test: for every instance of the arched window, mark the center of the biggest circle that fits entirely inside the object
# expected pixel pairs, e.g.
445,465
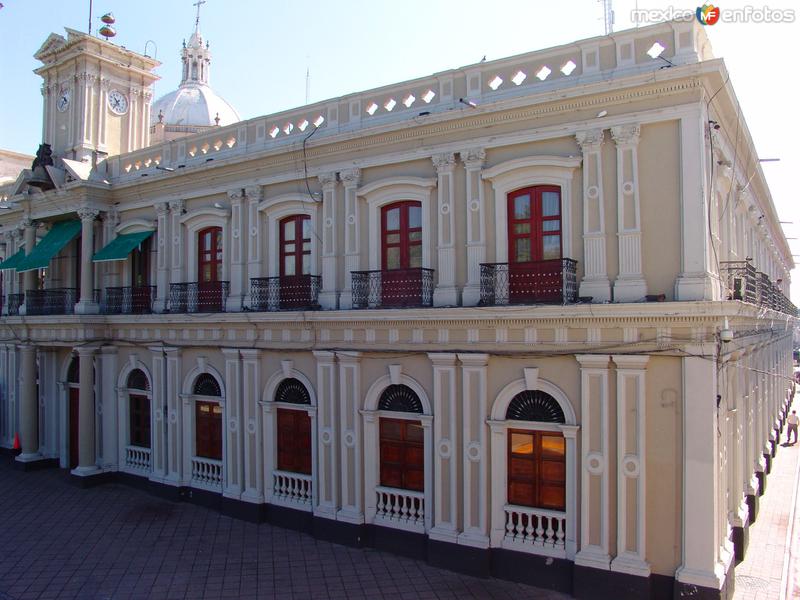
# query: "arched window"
206,385
294,428
209,254
536,459
139,409
535,406
402,442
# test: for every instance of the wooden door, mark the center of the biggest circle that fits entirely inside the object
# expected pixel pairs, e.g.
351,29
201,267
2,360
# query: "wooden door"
294,441
209,270
295,265
401,254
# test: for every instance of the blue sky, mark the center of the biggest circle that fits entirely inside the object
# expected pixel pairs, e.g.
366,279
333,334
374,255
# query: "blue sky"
261,51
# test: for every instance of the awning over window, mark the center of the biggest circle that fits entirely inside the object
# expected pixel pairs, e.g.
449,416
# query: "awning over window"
121,246
59,236
12,261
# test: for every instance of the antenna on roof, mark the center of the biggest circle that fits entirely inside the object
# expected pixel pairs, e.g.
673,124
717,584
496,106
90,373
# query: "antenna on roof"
608,16
90,17
308,84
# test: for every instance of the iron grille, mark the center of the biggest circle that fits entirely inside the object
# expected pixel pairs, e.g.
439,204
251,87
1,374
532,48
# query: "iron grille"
14,302
198,296
540,282
395,288
131,300
55,301
288,292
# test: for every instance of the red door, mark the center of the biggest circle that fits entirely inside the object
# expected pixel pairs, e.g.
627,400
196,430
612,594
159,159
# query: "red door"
294,441
401,254
209,270
208,430
74,394
534,244
295,255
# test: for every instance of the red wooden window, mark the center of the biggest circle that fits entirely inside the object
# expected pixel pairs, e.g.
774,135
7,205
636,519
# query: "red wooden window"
401,235
536,469
402,450
209,254
534,224
140,264
208,430
139,420
294,441
295,249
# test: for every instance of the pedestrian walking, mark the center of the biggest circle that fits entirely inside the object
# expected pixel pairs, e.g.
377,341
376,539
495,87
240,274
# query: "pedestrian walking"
792,419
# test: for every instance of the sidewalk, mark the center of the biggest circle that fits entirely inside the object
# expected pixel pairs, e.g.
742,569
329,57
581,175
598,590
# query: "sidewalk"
774,551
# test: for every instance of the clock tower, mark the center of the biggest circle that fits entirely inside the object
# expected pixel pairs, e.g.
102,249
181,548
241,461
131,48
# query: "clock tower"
96,96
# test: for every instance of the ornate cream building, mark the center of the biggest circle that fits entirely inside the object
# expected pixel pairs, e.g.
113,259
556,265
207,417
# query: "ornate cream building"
525,318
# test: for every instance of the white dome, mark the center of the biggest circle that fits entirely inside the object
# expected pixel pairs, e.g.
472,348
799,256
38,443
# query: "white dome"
193,104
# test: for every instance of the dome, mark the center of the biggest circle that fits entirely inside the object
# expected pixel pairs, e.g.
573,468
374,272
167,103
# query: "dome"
193,104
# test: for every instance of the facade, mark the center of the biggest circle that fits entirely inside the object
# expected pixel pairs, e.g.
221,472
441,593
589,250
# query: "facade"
527,318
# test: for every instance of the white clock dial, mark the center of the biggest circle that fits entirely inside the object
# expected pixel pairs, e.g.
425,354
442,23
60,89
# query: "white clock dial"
117,102
62,103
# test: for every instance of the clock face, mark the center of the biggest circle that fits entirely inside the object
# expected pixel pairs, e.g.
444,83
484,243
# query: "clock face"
117,102
62,102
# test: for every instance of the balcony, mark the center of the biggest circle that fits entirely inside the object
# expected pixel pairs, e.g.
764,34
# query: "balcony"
289,292
131,300
198,297
754,287
14,302
396,288
541,282
55,301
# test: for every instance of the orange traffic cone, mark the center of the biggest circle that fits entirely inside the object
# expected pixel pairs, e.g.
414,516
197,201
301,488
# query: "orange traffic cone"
16,441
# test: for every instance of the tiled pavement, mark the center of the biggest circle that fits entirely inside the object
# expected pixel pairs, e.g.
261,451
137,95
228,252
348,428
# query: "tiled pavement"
112,541
761,575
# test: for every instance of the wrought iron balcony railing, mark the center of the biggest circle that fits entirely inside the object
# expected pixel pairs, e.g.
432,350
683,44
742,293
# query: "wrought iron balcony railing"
540,282
55,301
198,296
14,302
754,287
131,300
288,292
396,288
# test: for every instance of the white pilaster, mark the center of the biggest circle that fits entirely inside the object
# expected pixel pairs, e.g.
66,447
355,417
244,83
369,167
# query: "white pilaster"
163,247
28,405
176,209
86,304
329,296
87,459
327,430
352,245
255,231
630,285
445,293
595,274
595,477
352,507
238,234
232,424
474,159
474,412
631,462
446,448
110,459
251,424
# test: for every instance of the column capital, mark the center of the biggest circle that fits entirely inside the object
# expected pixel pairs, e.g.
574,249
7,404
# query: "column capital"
473,360
85,351
626,134
162,208
444,162
627,361
177,206
87,213
253,193
593,361
349,357
111,217
351,177
236,195
27,221
474,158
324,356
327,180
443,359
590,139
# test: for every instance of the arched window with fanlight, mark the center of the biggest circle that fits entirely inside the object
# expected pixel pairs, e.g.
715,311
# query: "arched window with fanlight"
402,443
138,409
536,459
294,427
208,417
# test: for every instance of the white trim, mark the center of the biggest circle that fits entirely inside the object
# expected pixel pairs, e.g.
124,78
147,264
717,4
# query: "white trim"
376,389
279,208
194,223
509,392
136,225
397,189
191,376
524,172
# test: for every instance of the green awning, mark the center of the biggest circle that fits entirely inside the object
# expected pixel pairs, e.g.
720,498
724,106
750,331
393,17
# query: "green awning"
121,246
12,261
61,234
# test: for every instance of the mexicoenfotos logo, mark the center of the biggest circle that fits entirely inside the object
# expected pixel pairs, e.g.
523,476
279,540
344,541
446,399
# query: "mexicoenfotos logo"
708,14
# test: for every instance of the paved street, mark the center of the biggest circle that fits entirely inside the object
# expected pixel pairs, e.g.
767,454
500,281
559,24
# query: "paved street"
112,541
